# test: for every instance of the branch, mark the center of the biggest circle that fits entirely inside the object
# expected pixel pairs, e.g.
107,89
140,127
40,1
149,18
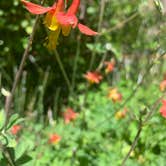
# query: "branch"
133,144
141,124
120,24
101,16
57,56
9,98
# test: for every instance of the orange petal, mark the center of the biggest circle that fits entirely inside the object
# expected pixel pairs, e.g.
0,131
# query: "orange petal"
73,7
34,8
85,30
66,20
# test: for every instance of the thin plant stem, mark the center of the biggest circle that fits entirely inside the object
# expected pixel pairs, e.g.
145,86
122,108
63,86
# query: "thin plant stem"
74,151
7,155
57,96
101,16
62,69
94,53
155,105
7,158
141,125
133,145
75,64
101,62
120,24
9,98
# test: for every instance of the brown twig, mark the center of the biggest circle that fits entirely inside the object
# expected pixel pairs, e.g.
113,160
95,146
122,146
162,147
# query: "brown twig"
141,124
133,144
120,24
154,108
9,98
101,63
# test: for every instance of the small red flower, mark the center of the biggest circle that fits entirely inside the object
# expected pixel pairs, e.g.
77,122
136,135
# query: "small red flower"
114,95
109,66
163,109
93,77
121,114
15,129
54,139
69,115
163,85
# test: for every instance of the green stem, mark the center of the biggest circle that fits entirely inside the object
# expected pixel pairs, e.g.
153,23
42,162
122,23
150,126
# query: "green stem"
62,69
75,65
9,98
133,145
101,16
8,157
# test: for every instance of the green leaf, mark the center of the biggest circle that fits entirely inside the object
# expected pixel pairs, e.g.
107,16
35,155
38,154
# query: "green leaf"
23,160
14,119
2,118
11,152
20,149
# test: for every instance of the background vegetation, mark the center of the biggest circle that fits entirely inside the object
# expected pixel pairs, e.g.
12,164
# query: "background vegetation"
133,33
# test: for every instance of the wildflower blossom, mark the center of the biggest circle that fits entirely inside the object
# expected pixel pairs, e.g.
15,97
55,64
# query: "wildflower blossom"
93,77
50,19
109,66
163,109
114,95
54,139
15,129
69,115
121,114
69,19
56,19
163,85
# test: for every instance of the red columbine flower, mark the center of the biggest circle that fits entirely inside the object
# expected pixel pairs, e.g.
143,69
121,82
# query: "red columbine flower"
114,95
163,109
54,139
69,115
56,20
163,85
50,20
109,66
15,129
93,77
69,19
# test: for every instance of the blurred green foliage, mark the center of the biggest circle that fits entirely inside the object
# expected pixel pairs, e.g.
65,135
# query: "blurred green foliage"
131,32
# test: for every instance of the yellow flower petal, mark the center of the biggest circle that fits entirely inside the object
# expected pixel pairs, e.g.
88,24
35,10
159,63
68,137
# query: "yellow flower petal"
53,39
51,21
